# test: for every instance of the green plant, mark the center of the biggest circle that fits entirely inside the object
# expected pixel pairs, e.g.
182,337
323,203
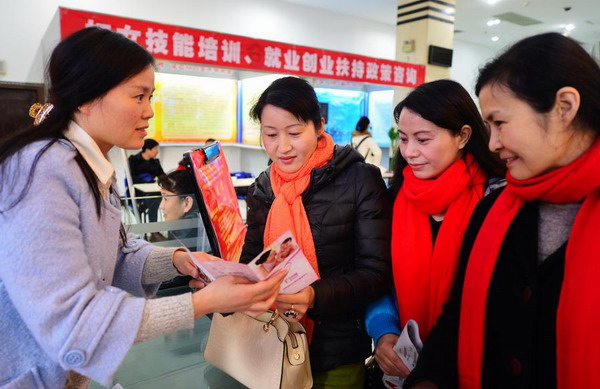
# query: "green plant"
393,134
394,139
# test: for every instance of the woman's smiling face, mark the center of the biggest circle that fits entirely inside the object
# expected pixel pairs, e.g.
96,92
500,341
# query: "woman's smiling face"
531,143
428,149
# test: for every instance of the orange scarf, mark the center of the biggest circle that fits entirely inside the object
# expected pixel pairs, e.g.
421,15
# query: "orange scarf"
423,273
287,212
578,316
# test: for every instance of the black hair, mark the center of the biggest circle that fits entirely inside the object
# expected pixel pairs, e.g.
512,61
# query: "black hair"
362,124
209,141
293,94
288,239
263,257
535,68
82,68
180,182
448,105
149,144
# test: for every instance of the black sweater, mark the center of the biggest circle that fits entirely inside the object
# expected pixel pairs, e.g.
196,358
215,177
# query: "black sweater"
144,170
520,333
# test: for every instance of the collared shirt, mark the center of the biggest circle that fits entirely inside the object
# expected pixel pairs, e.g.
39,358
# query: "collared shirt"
90,151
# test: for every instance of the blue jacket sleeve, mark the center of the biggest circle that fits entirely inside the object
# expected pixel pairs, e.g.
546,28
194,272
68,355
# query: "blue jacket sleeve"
382,317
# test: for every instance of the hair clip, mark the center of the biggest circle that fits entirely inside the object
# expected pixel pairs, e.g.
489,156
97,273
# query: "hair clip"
39,112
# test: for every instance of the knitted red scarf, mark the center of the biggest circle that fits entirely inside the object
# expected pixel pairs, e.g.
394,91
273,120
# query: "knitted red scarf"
423,273
287,212
578,316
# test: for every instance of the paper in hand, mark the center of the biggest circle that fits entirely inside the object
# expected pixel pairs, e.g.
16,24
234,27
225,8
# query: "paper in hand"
281,254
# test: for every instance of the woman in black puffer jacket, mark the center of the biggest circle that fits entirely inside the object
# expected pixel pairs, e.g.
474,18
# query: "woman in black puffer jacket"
347,215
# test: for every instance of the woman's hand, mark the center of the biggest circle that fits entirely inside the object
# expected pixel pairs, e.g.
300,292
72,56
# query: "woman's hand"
184,264
298,302
237,294
389,362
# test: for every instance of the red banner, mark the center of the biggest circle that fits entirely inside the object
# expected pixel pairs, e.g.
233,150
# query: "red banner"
211,48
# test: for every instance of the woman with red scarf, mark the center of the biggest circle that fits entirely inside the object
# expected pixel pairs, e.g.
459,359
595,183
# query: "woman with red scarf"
525,311
336,207
444,169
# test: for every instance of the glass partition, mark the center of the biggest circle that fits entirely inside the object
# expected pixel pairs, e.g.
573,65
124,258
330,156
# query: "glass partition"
173,360
176,226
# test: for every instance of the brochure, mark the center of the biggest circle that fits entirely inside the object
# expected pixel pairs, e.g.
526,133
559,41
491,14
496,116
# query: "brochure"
407,347
281,254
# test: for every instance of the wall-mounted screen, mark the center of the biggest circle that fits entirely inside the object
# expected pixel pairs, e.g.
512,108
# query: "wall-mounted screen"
344,108
381,115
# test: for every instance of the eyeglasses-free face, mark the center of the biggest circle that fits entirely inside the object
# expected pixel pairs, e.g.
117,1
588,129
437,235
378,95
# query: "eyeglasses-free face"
287,140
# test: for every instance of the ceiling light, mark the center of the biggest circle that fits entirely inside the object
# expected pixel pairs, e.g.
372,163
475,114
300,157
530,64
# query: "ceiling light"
493,22
492,2
495,39
449,11
569,27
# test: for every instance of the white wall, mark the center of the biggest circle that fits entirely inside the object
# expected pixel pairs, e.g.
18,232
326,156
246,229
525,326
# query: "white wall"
467,59
24,22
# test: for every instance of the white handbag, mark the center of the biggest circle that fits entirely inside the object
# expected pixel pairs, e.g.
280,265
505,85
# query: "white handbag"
266,352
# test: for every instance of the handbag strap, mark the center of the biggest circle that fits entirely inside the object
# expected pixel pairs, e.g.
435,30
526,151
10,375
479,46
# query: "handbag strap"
360,143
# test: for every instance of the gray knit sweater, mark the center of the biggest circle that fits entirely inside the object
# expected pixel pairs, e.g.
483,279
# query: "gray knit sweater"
71,297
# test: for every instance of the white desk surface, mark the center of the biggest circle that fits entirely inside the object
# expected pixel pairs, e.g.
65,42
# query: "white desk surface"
241,182
148,187
153,186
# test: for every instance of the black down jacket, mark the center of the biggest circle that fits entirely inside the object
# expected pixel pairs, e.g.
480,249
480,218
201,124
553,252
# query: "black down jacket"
349,216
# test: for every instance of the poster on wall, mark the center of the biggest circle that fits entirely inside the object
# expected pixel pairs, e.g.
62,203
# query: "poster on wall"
251,90
178,43
193,109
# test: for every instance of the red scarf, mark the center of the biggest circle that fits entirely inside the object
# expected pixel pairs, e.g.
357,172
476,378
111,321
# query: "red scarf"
287,212
578,316
423,273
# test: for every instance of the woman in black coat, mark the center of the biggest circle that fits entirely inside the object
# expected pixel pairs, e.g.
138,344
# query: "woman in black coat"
336,207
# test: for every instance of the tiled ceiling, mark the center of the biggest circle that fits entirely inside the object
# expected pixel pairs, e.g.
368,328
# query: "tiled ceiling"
472,16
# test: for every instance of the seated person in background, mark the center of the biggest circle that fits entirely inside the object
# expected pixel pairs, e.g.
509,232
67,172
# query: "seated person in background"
145,167
179,202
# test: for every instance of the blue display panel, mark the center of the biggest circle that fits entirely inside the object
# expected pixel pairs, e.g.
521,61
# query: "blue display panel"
381,115
344,108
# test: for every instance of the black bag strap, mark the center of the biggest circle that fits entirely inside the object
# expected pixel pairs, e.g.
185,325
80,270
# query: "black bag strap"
360,143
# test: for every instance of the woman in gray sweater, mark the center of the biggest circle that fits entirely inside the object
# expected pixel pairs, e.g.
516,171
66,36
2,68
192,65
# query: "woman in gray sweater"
74,288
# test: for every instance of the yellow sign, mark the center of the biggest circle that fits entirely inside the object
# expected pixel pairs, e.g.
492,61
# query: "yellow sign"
193,109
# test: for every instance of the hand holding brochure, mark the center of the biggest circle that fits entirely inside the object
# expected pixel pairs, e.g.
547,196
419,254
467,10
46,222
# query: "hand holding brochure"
407,347
281,254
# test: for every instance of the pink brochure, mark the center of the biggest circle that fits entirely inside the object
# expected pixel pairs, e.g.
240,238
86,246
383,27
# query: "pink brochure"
281,254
